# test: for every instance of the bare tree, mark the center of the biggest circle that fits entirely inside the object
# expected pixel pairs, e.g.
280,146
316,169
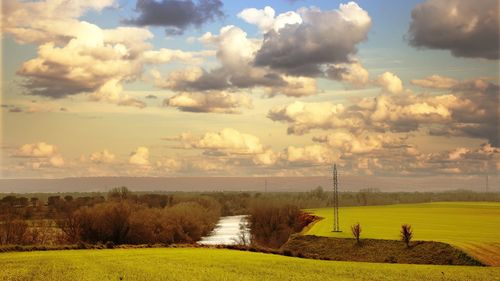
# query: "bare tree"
406,234
356,231
70,226
13,231
243,237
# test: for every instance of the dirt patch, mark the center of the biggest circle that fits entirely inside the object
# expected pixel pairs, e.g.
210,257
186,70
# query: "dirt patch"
375,250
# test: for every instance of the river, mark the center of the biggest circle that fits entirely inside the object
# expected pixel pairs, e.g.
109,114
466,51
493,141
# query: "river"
226,232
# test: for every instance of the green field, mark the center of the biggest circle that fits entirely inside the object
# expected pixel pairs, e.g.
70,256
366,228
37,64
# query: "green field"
473,227
213,264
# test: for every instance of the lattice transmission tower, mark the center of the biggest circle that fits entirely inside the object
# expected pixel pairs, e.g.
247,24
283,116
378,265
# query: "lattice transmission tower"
336,226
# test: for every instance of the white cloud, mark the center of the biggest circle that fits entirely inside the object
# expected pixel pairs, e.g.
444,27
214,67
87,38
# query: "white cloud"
295,87
435,82
102,157
230,140
40,155
234,49
140,156
40,149
216,102
268,157
390,83
56,161
312,154
170,165
354,74
306,116
49,21
365,142
266,20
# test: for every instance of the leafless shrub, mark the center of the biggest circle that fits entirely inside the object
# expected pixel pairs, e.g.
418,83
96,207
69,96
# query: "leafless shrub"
406,234
356,231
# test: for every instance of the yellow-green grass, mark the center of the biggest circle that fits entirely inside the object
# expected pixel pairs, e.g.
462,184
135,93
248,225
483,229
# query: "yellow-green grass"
213,264
471,226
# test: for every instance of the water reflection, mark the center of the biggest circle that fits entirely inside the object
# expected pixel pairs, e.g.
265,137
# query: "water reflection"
226,232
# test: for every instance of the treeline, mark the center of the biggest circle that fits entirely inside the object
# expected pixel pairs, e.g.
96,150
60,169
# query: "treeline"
122,218
319,197
49,206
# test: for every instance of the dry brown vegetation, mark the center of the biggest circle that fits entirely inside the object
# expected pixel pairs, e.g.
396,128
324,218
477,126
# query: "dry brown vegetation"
376,250
272,223
124,218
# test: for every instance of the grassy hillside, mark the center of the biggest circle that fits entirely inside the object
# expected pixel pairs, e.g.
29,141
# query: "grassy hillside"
473,227
213,264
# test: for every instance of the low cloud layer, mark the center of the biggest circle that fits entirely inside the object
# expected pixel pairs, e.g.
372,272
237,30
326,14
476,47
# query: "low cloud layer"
466,28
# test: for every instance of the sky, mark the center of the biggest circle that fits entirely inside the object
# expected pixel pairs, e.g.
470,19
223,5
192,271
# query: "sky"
250,88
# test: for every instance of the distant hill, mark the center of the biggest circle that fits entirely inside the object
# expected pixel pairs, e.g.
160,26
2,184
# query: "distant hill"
274,184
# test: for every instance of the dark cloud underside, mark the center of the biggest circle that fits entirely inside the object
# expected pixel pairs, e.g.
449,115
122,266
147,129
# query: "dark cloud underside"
176,15
466,28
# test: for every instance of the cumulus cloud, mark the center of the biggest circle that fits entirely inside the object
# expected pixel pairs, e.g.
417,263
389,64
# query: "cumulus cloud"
311,154
48,21
306,116
227,140
169,164
164,55
469,109
176,15
40,154
98,69
354,74
266,20
140,156
460,160
295,86
266,158
236,53
435,82
76,57
76,68
364,142
323,37
390,83
466,28
102,157
56,161
235,148
475,111
40,149
216,102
